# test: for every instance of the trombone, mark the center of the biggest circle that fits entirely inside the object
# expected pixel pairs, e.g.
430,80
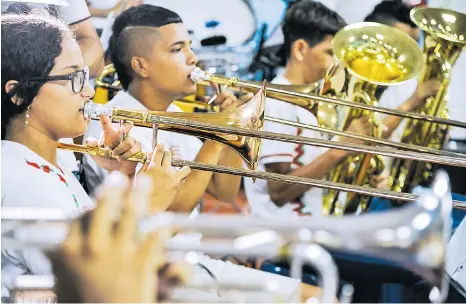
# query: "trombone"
289,179
413,237
304,102
307,100
241,129
334,132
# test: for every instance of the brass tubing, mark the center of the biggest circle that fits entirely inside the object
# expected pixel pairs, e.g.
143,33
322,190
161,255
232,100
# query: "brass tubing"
185,124
142,158
281,95
370,139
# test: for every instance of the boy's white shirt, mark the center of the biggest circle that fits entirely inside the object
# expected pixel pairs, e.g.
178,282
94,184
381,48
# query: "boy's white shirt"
275,152
189,147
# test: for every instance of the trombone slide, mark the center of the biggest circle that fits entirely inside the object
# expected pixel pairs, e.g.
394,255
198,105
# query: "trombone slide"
142,158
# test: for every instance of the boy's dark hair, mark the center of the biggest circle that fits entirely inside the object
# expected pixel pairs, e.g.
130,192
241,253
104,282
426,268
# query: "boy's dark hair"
122,42
311,21
390,11
30,45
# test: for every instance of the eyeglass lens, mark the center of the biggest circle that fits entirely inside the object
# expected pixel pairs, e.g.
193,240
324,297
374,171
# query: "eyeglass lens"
79,80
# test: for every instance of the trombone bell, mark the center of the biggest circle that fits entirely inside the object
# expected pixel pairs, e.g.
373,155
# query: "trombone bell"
248,116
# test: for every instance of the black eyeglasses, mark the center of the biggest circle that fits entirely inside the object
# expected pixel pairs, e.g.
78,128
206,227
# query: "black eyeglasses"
78,79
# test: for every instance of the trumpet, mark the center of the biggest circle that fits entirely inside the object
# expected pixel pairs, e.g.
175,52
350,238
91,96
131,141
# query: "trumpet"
413,237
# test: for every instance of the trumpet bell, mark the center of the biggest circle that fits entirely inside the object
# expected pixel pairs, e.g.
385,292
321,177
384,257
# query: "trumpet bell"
378,53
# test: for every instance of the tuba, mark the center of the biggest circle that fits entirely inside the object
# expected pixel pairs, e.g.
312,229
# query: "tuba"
369,55
445,33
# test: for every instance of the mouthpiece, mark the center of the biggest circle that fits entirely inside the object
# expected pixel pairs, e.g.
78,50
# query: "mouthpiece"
198,75
94,111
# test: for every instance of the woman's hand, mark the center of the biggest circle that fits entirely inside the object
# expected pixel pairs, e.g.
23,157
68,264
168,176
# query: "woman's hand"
105,259
167,180
123,150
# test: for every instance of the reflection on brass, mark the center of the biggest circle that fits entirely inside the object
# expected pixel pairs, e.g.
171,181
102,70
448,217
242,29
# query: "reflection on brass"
203,125
249,116
368,55
444,39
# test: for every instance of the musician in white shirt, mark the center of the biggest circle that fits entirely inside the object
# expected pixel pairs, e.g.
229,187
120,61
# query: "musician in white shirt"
308,29
42,102
151,50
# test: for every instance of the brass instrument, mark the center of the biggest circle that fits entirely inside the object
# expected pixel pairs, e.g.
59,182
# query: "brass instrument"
247,116
307,101
413,237
326,113
223,127
142,158
445,33
300,95
106,85
109,71
368,55
231,127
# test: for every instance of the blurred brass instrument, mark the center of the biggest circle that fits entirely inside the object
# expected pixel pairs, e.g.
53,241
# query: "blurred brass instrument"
445,38
413,237
368,55
108,74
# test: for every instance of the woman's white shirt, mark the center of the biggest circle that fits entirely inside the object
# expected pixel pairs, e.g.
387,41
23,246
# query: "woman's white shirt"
28,180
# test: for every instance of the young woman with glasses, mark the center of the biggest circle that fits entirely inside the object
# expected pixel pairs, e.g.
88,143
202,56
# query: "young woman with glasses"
44,88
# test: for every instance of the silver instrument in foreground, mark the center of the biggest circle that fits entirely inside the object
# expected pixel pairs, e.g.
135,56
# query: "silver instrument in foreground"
413,237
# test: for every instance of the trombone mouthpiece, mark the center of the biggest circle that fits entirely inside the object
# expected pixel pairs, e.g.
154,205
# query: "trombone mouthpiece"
94,111
198,75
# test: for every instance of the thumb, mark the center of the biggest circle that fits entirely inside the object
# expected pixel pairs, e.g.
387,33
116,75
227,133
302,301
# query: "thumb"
92,142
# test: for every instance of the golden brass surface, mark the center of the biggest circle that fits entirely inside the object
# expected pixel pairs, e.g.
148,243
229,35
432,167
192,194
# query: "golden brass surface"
142,158
369,55
445,33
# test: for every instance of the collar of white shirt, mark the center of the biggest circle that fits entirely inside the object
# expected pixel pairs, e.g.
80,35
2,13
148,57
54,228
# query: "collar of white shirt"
124,100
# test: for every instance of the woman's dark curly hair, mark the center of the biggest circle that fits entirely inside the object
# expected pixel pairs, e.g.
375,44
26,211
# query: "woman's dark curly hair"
30,45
